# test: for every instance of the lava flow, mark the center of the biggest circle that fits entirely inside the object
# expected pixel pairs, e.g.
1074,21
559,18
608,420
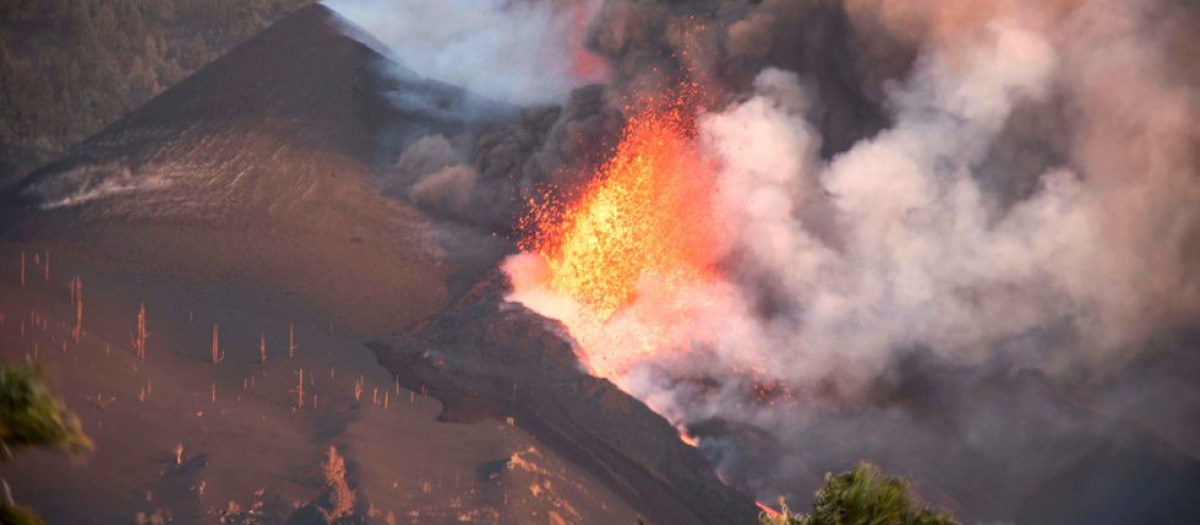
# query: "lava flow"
645,216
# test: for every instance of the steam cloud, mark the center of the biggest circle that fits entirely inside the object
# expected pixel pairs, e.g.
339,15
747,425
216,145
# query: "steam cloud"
943,219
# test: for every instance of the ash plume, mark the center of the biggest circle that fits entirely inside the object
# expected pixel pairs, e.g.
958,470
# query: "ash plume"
941,241
957,239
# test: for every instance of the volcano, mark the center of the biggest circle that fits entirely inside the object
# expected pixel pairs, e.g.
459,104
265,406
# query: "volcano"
249,197
260,166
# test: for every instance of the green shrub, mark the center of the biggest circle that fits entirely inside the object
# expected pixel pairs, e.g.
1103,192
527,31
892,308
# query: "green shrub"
863,496
31,416
18,515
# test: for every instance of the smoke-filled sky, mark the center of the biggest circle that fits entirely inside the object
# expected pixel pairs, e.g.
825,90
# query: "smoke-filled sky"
961,238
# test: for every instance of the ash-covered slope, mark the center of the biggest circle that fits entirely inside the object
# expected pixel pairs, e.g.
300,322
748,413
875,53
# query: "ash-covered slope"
257,170
256,176
486,357
300,87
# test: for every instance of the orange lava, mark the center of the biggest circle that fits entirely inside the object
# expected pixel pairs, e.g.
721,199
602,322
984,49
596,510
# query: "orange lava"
768,510
646,215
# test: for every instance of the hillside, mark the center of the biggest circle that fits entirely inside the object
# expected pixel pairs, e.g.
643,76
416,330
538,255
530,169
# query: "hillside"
257,169
68,68
246,198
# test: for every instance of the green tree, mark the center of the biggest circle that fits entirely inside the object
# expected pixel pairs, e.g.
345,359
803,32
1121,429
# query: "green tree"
31,416
12,514
863,496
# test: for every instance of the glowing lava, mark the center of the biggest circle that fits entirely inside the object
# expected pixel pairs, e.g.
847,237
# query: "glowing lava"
770,512
647,215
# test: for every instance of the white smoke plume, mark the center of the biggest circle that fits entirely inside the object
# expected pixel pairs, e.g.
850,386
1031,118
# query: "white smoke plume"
516,52
915,258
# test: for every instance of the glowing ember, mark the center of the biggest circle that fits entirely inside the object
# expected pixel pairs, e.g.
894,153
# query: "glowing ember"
768,510
646,215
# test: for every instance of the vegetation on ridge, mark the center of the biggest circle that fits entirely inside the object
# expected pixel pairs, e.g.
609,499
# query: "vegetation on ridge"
863,496
70,67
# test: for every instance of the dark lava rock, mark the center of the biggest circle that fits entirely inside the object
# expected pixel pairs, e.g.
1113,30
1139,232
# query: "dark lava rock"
487,356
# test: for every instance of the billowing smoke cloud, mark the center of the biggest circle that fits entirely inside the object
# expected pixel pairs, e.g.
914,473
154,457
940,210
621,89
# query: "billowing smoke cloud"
945,221
915,256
